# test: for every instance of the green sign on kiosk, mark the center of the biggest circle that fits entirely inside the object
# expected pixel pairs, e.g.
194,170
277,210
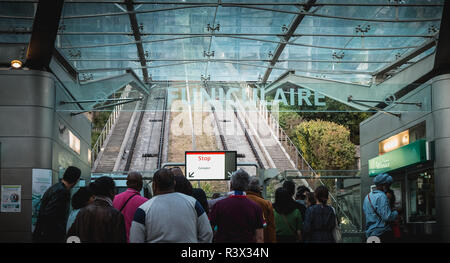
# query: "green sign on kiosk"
410,154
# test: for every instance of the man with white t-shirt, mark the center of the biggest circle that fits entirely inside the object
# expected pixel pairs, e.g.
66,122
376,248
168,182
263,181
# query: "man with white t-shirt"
170,217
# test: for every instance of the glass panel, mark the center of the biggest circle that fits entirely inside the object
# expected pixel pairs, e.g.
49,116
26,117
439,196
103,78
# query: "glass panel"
231,48
176,71
189,20
236,71
16,30
181,49
17,9
14,38
245,20
177,32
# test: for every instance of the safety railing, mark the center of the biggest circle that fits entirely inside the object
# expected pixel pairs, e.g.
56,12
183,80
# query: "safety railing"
283,138
99,144
293,151
347,201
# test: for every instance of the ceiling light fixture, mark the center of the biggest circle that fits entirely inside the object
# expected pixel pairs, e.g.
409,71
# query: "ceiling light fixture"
16,64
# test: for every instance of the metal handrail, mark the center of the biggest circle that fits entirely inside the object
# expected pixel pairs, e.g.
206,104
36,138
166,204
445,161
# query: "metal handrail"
266,114
97,148
274,124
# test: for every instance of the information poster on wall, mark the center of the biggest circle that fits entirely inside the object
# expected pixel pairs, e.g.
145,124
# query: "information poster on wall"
11,198
42,180
210,165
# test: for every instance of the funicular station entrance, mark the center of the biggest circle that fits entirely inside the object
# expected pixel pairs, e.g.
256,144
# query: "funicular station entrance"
318,92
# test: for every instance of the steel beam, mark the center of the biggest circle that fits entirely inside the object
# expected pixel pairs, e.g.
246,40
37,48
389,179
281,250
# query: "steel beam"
106,106
291,30
137,37
25,31
283,42
442,62
331,72
235,60
45,29
225,34
388,4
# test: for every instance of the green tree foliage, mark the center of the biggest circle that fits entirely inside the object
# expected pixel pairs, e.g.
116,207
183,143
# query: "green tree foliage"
340,113
325,145
334,111
98,122
288,121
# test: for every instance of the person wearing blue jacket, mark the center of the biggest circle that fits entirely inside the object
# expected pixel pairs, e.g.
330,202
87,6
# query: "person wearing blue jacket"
378,211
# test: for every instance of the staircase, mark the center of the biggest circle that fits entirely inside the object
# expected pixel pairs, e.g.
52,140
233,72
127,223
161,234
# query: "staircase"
107,149
111,149
266,135
278,156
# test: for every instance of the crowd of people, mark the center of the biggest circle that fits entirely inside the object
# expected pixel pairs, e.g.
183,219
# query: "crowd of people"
179,213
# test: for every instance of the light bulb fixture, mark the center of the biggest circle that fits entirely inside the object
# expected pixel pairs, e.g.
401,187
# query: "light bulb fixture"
16,64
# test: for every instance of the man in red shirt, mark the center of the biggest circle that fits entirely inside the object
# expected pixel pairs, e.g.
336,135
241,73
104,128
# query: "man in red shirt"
130,200
238,219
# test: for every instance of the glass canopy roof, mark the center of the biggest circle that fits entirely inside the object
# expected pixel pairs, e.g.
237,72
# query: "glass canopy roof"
231,40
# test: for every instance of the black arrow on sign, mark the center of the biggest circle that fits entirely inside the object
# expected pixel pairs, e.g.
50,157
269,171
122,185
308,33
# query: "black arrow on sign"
191,174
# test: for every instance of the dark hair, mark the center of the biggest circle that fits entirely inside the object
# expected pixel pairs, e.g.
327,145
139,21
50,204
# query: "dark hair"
392,199
290,187
164,179
81,197
311,198
134,180
72,174
301,192
177,171
182,185
283,201
200,195
103,186
321,194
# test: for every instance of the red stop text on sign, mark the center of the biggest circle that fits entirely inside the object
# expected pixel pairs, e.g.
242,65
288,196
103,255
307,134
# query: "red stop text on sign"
204,158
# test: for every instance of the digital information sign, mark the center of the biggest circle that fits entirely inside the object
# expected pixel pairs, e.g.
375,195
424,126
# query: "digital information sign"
210,165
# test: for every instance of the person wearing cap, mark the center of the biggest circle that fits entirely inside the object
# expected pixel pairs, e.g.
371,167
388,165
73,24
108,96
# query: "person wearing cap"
54,209
129,201
378,211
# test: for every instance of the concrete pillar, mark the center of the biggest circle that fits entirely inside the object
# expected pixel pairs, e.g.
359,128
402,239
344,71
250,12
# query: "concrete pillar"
27,102
441,119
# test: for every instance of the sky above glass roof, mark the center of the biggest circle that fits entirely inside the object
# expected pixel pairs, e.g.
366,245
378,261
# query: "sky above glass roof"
234,40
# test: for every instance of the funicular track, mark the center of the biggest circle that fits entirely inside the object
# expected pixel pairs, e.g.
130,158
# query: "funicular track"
146,151
226,140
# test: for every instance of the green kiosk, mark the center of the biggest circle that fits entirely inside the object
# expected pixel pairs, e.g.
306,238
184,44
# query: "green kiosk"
412,169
